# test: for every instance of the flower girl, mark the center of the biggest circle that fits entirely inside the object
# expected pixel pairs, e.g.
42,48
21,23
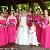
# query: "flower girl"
32,35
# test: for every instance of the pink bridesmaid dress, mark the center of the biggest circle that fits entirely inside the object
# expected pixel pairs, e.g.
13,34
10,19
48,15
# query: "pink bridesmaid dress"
37,20
3,33
12,31
45,38
29,20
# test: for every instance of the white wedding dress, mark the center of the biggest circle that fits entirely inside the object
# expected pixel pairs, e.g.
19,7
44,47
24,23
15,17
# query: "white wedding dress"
32,36
22,31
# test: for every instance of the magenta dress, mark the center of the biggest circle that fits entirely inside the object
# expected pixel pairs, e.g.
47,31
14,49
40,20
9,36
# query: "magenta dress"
3,33
37,20
29,20
45,39
12,31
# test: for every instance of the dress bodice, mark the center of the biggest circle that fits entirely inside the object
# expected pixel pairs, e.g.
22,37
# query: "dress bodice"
37,19
44,22
12,20
2,21
23,19
29,17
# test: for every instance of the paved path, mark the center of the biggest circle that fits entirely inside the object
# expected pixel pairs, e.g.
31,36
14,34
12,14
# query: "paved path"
17,47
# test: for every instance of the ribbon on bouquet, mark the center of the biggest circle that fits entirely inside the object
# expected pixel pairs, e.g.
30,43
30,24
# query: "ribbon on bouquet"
11,23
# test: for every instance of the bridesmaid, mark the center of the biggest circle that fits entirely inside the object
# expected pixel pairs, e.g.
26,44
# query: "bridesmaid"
11,21
29,17
45,39
2,30
37,20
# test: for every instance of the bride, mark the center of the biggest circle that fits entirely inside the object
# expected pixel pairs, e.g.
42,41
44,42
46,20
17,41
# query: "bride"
23,29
